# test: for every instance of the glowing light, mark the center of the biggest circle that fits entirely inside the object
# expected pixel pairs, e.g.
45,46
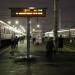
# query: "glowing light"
35,13
35,10
33,30
26,10
16,22
40,13
38,26
22,13
9,22
31,7
40,10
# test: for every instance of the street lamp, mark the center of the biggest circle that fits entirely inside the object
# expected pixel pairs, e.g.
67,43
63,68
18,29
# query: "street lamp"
16,22
56,23
38,26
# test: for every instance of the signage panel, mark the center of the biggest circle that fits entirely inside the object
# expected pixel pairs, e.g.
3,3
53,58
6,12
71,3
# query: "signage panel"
26,12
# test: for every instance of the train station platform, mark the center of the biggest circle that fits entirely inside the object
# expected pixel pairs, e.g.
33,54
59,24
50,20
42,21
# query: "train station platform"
63,63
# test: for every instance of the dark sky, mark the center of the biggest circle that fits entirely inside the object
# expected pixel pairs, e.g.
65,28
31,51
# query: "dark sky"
67,12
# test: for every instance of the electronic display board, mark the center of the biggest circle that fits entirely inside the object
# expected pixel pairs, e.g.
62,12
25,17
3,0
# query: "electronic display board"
27,12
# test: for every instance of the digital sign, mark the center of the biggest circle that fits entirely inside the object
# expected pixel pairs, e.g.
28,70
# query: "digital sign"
27,12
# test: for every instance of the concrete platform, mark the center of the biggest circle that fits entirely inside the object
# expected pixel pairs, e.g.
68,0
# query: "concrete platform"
63,63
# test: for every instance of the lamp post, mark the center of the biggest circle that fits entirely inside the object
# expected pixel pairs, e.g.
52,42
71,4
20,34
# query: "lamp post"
16,22
56,24
28,38
0,36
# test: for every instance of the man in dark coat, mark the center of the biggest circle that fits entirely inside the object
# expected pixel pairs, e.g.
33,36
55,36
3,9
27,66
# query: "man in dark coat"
49,47
60,43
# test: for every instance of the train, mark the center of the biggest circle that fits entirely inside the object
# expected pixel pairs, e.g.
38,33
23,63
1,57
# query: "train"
66,33
8,32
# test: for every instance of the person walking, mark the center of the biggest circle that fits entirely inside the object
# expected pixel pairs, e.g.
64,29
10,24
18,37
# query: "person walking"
60,43
49,48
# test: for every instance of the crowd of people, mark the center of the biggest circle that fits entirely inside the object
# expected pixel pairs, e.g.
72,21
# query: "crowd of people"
50,45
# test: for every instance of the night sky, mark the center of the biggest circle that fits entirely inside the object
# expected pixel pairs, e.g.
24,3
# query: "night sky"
67,8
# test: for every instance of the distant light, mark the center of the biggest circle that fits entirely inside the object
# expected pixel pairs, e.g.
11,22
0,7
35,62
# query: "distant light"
30,21
40,10
16,22
9,22
33,30
28,13
38,26
31,7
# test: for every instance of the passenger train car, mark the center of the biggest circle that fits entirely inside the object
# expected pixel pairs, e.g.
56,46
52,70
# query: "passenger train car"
7,32
64,32
67,34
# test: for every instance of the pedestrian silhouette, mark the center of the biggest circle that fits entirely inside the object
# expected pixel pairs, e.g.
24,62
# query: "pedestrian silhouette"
49,48
34,39
13,45
60,43
16,41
